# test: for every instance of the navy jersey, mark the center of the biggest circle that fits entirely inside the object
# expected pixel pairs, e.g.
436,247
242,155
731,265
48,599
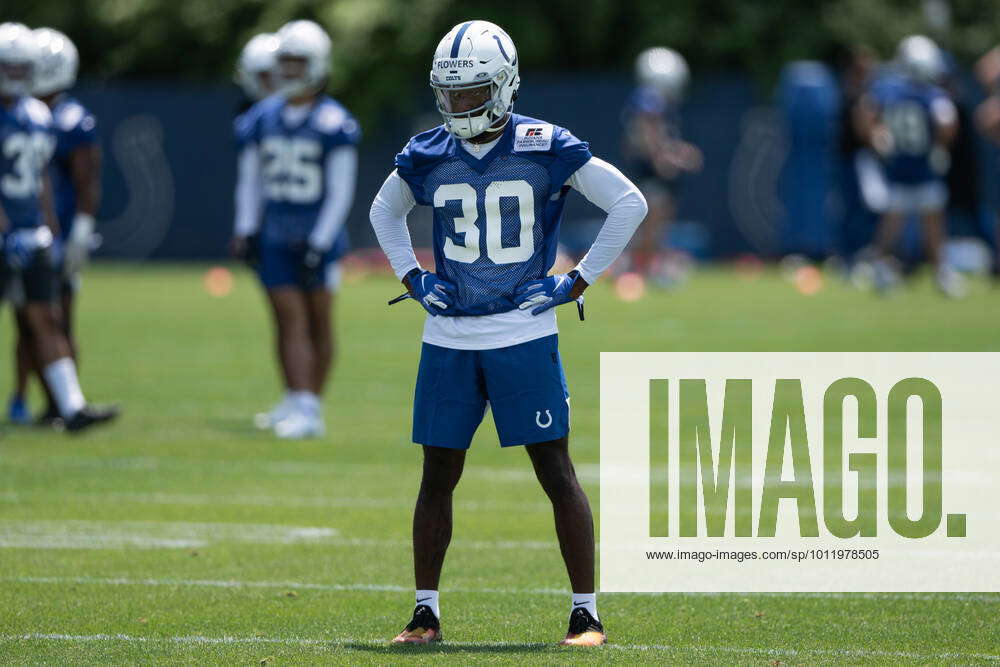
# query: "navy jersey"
26,144
906,107
293,160
496,219
74,127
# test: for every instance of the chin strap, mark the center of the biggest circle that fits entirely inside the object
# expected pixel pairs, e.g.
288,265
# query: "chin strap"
505,120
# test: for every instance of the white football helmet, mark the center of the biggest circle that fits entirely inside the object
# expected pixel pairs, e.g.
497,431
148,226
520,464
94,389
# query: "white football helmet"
919,57
18,57
57,62
664,70
257,64
475,79
307,41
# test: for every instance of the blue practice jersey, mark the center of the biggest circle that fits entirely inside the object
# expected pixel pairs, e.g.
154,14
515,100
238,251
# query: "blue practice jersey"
26,144
293,161
243,125
496,219
74,127
905,106
645,101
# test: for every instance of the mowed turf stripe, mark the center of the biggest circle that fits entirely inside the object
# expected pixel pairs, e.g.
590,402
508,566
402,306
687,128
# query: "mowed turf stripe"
347,642
83,534
209,500
585,471
990,598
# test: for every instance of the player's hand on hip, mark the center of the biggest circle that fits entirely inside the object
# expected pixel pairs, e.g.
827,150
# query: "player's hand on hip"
540,295
22,245
435,294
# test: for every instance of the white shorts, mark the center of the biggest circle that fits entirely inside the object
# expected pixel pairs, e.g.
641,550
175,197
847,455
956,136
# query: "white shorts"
920,198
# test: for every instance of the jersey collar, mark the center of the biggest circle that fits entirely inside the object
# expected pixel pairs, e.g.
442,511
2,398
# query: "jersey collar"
304,119
502,147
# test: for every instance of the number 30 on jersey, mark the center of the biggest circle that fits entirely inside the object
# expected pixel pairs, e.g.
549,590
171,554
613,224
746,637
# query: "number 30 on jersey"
467,250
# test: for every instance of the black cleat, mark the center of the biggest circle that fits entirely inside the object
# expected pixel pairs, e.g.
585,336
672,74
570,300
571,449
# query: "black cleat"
91,415
423,629
50,419
584,630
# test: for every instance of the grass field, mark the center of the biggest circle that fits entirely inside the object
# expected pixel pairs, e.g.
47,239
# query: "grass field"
181,534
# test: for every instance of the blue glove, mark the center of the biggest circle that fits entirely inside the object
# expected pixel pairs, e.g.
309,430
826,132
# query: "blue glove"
540,295
433,293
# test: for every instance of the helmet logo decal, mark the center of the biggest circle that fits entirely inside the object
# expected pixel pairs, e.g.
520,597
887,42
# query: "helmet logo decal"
458,39
502,51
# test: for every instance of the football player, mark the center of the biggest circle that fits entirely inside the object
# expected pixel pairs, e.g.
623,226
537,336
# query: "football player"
497,182
296,175
910,122
657,153
75,172
255,70
987,118
29,242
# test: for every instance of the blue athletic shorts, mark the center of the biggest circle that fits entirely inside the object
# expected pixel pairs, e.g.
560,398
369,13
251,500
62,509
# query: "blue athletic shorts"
524,385
281,266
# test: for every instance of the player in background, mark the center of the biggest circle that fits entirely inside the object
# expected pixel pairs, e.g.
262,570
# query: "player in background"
910,122
864,192
29,244
75,172
657,153
497,182
987,116
295,185
255,71
255,75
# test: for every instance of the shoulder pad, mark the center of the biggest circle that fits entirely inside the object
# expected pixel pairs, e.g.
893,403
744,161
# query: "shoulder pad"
69,115
425,148
328,118
37,111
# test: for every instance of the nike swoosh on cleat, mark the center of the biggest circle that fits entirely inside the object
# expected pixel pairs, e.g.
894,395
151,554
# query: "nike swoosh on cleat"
422,600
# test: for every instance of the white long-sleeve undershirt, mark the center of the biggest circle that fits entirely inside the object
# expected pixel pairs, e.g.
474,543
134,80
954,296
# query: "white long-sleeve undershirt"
392,204
248,202
608,189
341,176
599,182
340,169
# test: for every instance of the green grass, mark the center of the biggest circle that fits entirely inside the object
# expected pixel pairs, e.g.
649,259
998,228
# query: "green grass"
175,536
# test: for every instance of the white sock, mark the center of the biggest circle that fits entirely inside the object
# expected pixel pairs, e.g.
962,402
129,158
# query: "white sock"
306,401
60,375
429,598
586,600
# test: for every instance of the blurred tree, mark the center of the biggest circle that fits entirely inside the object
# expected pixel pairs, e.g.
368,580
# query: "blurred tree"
382,48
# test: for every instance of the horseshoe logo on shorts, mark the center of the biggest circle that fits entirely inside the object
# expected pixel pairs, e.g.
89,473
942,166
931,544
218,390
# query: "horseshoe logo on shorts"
538,419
